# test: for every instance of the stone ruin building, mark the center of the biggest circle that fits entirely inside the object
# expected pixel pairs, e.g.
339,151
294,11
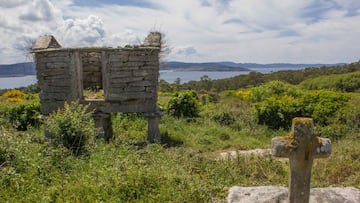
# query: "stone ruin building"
126,78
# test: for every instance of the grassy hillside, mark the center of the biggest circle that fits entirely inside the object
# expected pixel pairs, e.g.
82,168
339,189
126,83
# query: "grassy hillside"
185,165
255,79
349,82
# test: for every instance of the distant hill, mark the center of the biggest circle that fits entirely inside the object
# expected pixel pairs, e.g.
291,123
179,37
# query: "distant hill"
278,65
231,66
18,69
28,68
210,66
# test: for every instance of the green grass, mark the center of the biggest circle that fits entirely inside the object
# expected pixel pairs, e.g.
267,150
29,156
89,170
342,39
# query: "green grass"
182,168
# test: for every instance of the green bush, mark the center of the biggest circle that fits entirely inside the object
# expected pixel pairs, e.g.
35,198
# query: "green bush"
23,115
276,106
73,127
272,88
277,112
184,104
322,105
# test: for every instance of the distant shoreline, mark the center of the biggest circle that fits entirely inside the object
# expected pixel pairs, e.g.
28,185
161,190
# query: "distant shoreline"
14,75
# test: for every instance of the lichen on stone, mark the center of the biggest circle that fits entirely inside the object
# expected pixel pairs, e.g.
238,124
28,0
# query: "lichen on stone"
302,120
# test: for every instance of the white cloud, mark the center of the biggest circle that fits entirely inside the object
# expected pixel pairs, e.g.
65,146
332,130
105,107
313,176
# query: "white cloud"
81,32
12,3
197,30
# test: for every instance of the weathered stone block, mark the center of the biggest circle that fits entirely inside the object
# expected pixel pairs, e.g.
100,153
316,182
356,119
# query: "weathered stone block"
142,72
125,80
129,96
130,89
123,57
54,72
142,83
121,74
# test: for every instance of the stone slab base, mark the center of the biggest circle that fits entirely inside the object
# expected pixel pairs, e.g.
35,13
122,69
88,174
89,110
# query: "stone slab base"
275,194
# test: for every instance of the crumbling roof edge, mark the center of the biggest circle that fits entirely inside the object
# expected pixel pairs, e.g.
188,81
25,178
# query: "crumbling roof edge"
97,49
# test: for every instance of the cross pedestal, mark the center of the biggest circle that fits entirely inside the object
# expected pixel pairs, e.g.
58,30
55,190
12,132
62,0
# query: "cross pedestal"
301,146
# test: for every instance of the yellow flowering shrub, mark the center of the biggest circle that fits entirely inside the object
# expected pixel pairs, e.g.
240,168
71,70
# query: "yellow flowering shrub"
14,100
243,94
15,96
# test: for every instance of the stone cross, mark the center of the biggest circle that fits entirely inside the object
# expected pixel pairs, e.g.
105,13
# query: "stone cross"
301,146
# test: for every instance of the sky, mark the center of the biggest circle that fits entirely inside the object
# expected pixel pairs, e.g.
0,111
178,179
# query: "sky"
243,31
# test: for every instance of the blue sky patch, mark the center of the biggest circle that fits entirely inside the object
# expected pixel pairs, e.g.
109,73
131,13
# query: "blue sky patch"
288,33
233,21
316,11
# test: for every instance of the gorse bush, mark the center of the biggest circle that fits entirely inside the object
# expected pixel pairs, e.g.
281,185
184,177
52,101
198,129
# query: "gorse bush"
184,104
14,96
73,127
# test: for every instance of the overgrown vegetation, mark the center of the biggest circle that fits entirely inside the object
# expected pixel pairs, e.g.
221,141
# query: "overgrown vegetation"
185,166
72,127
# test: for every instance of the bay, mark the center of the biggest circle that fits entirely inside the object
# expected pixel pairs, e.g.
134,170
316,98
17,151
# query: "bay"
14,82
186,76
168,76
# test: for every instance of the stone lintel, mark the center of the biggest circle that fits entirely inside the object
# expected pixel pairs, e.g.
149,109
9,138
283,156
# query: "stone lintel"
96,49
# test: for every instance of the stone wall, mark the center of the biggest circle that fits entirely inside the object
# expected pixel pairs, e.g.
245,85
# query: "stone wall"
57,77
132,74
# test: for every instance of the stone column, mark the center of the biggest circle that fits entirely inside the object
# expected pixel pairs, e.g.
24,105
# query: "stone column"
153,126
103,124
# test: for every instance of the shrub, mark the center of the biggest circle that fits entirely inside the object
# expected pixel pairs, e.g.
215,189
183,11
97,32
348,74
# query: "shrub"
184,105
322,105
272,88
277,112
72,127
23,115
